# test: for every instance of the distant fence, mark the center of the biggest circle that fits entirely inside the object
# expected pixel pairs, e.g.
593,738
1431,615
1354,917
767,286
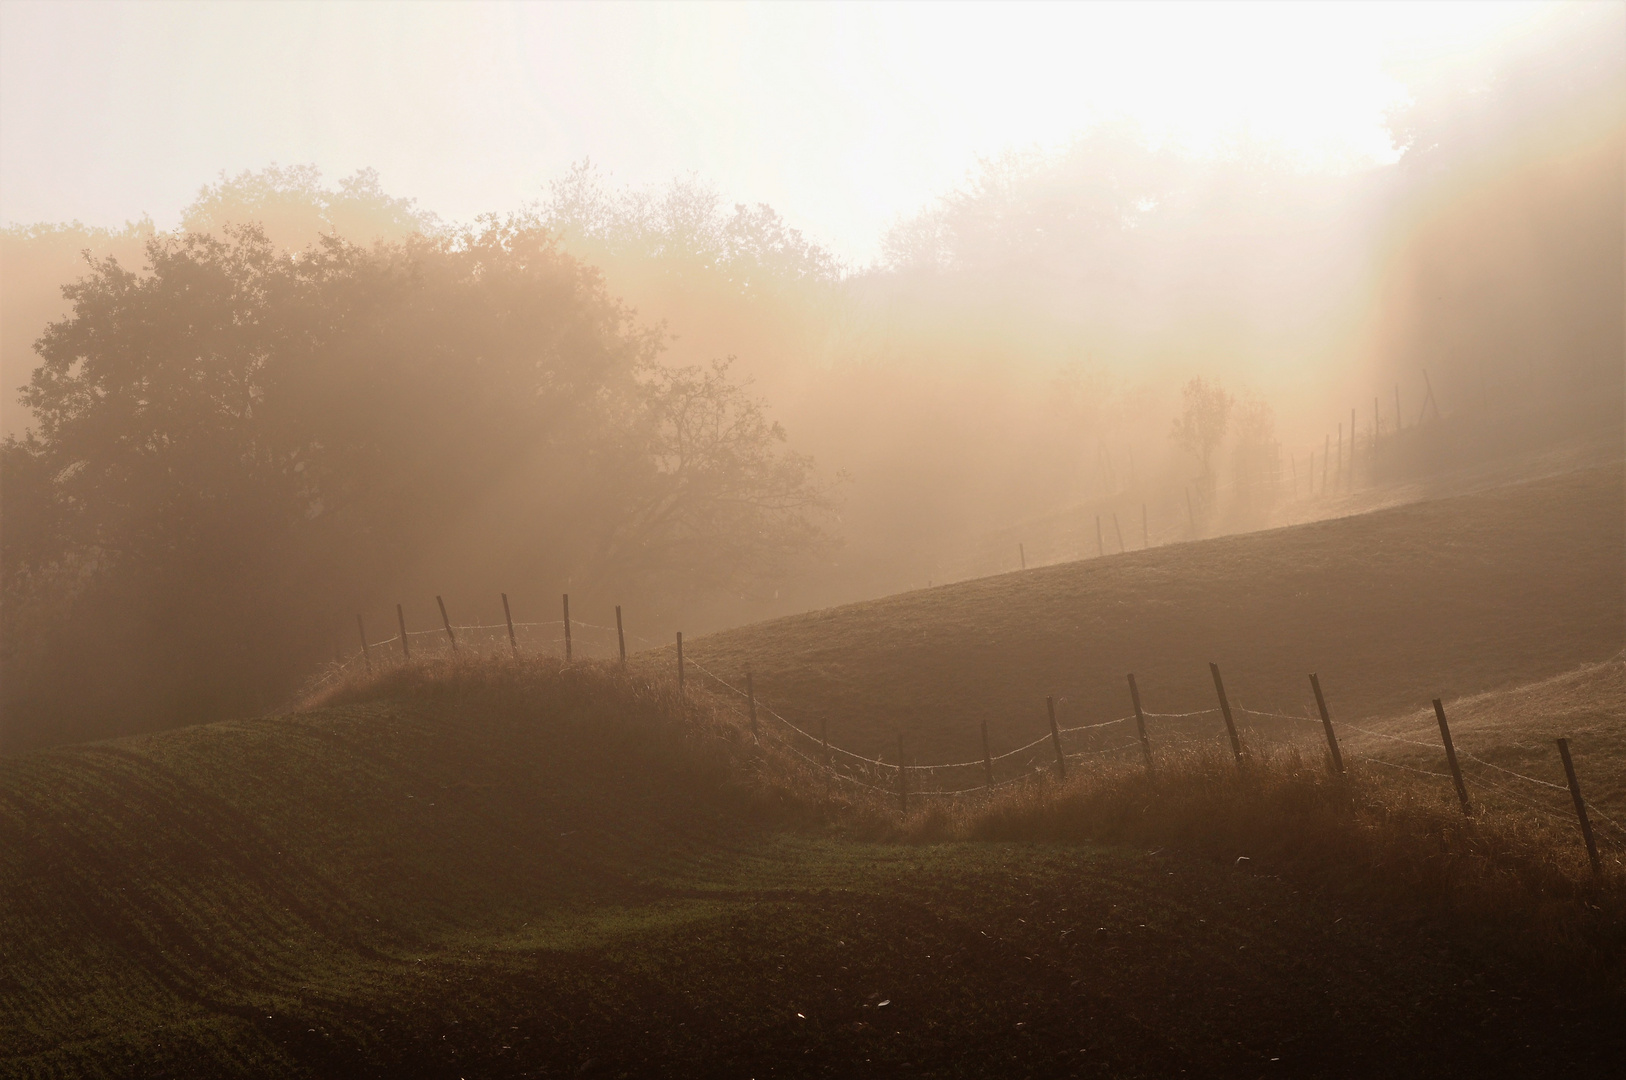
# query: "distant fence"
1048,752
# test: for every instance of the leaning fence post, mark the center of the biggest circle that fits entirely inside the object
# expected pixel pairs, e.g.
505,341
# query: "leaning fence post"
1225,710
1140,723
400,617
1191,515
1055,738
366,653
620,636
1118,529
1022,553
1326,722
513,642
1100,545
567,627
447,622
751,700
680,662
987,758
903,778
1451,755
1580,806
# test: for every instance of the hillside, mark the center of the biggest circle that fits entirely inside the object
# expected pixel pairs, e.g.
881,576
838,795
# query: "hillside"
1446,598
517,869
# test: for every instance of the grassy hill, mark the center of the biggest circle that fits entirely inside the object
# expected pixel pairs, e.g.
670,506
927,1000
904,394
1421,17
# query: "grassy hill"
508,868
1447,598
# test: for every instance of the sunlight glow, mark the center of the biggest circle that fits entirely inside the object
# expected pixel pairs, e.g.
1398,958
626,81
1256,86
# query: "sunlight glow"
842,116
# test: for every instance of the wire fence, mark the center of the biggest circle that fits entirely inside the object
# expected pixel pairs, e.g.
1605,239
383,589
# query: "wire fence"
1496,784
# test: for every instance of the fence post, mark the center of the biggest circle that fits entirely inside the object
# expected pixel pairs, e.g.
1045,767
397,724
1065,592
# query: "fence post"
513,642
1191,515
1140,723
1326,456
447,623
680,662
620,636
1398,422
400,617
1055,738
751,701
1145,533
1022,551
1351,485
567,627
366,653
1326,722
987,758
1118,529
1225,710
903,778
1580,806
1451,756
1100,544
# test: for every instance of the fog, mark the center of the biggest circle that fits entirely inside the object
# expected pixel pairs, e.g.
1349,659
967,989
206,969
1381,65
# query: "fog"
316,398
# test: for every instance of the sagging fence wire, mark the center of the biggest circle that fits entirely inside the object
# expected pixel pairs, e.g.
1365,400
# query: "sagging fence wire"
877,775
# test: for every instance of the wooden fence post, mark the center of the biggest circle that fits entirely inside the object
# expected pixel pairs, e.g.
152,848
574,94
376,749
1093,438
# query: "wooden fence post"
1140,723
1225,710
680,662
1451,756
1145,533
751,701
1580,806
903,778
1351,485
400,617
567,627
366,653
1293,462
620,636
987,758
508,617
447,622
1398,422
1100,544
1326,722
1022,552
1338,481
1055,738
1377,423
1326,456
1191,515
1117,529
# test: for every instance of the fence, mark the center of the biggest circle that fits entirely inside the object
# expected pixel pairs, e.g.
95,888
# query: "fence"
860,771
1494,782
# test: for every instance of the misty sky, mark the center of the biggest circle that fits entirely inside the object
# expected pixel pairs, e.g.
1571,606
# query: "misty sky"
843,117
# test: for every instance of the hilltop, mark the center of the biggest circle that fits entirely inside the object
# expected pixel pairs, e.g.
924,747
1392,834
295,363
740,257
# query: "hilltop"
1446,598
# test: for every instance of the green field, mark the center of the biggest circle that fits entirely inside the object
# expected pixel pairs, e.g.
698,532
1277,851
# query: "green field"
516,868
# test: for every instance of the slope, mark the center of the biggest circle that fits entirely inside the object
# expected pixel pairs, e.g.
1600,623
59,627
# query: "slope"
509,868
1392,608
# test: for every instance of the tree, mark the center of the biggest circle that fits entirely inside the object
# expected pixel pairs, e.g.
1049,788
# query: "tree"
239,448
1200,428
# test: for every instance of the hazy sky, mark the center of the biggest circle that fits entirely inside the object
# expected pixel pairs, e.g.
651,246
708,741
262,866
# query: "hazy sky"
843,117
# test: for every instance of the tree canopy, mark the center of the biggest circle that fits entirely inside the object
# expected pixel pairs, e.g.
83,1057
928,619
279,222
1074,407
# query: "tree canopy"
239,447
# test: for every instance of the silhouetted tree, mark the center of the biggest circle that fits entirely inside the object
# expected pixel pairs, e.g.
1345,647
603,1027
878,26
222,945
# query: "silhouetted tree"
239,447
1200,427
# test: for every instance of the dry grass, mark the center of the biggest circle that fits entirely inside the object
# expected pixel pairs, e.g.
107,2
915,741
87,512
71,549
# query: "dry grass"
1515,880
